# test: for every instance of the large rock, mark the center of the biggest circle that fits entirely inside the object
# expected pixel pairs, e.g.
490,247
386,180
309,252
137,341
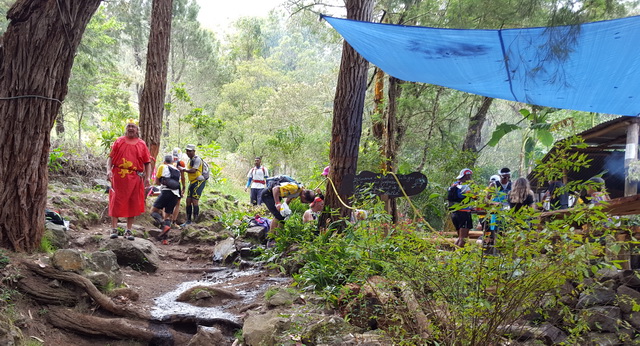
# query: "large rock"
258,233
627,298
260,329
629,278
105,262
69,260
598,296
546,332
602,339
208,336
282,297
225,251
603,318
57,235
140,254
331,330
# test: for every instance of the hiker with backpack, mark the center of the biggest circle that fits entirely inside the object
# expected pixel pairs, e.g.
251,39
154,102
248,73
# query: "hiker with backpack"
197,172
178,164
278,194
257,180
461,217
168,177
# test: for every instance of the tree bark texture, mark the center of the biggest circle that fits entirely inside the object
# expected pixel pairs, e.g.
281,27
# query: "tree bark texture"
347,110
36,56
390,140
474,131
155,83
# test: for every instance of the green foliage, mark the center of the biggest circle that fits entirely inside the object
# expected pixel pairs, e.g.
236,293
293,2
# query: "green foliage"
4,259
465,288
56,159
46,246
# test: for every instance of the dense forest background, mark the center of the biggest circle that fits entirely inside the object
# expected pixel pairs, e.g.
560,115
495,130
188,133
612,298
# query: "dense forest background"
267,89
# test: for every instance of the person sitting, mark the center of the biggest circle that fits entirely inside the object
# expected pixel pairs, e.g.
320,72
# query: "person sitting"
596,192
314,210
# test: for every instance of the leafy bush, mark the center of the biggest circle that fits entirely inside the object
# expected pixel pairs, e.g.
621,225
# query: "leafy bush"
467,293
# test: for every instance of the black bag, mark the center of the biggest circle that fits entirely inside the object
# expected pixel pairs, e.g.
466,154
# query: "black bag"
278,180
452,195
53,217
173,182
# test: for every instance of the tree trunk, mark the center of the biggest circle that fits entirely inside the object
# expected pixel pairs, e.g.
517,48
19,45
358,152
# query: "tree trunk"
390,140
155,83
347,110
60,124
474,131
36,55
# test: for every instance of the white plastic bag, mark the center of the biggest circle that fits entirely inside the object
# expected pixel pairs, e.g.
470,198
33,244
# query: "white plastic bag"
285,211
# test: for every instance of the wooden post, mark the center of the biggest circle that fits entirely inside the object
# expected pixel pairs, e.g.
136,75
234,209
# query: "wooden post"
631,155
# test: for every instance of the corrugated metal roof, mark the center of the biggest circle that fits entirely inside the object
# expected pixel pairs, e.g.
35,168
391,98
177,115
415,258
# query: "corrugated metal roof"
606,145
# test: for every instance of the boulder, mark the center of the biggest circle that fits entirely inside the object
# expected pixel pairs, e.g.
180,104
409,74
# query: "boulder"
282,297
260,329
57,235
602,339
330,330
550,334
627,298
629,278
207,336
140,254
598,296
633,319
99,279
225,251
69,260
258,233
603,318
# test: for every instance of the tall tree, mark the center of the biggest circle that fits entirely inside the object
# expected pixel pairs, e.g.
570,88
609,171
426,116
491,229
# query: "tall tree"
347,110
36,56
155,84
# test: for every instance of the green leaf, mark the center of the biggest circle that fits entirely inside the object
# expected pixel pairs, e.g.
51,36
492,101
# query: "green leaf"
545,137
500,131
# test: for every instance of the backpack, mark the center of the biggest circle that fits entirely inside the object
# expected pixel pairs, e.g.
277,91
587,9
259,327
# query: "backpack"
173,182
206,171
53,216
453,196
278,180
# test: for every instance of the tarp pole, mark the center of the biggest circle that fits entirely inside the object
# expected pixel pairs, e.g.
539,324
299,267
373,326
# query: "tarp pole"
630,157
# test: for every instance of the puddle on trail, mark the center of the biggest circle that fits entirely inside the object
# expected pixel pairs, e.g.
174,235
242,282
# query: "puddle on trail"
227,279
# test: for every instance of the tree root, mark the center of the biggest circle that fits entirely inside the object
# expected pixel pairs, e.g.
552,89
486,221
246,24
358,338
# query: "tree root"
84,283
118,328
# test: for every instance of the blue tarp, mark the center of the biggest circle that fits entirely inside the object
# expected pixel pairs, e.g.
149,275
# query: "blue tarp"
593,67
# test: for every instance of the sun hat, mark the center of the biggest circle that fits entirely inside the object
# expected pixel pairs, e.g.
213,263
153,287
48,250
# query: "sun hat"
463,172
504,171
494,178
190,147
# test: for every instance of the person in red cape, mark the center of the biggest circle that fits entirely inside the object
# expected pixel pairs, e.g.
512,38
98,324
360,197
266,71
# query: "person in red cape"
128,170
